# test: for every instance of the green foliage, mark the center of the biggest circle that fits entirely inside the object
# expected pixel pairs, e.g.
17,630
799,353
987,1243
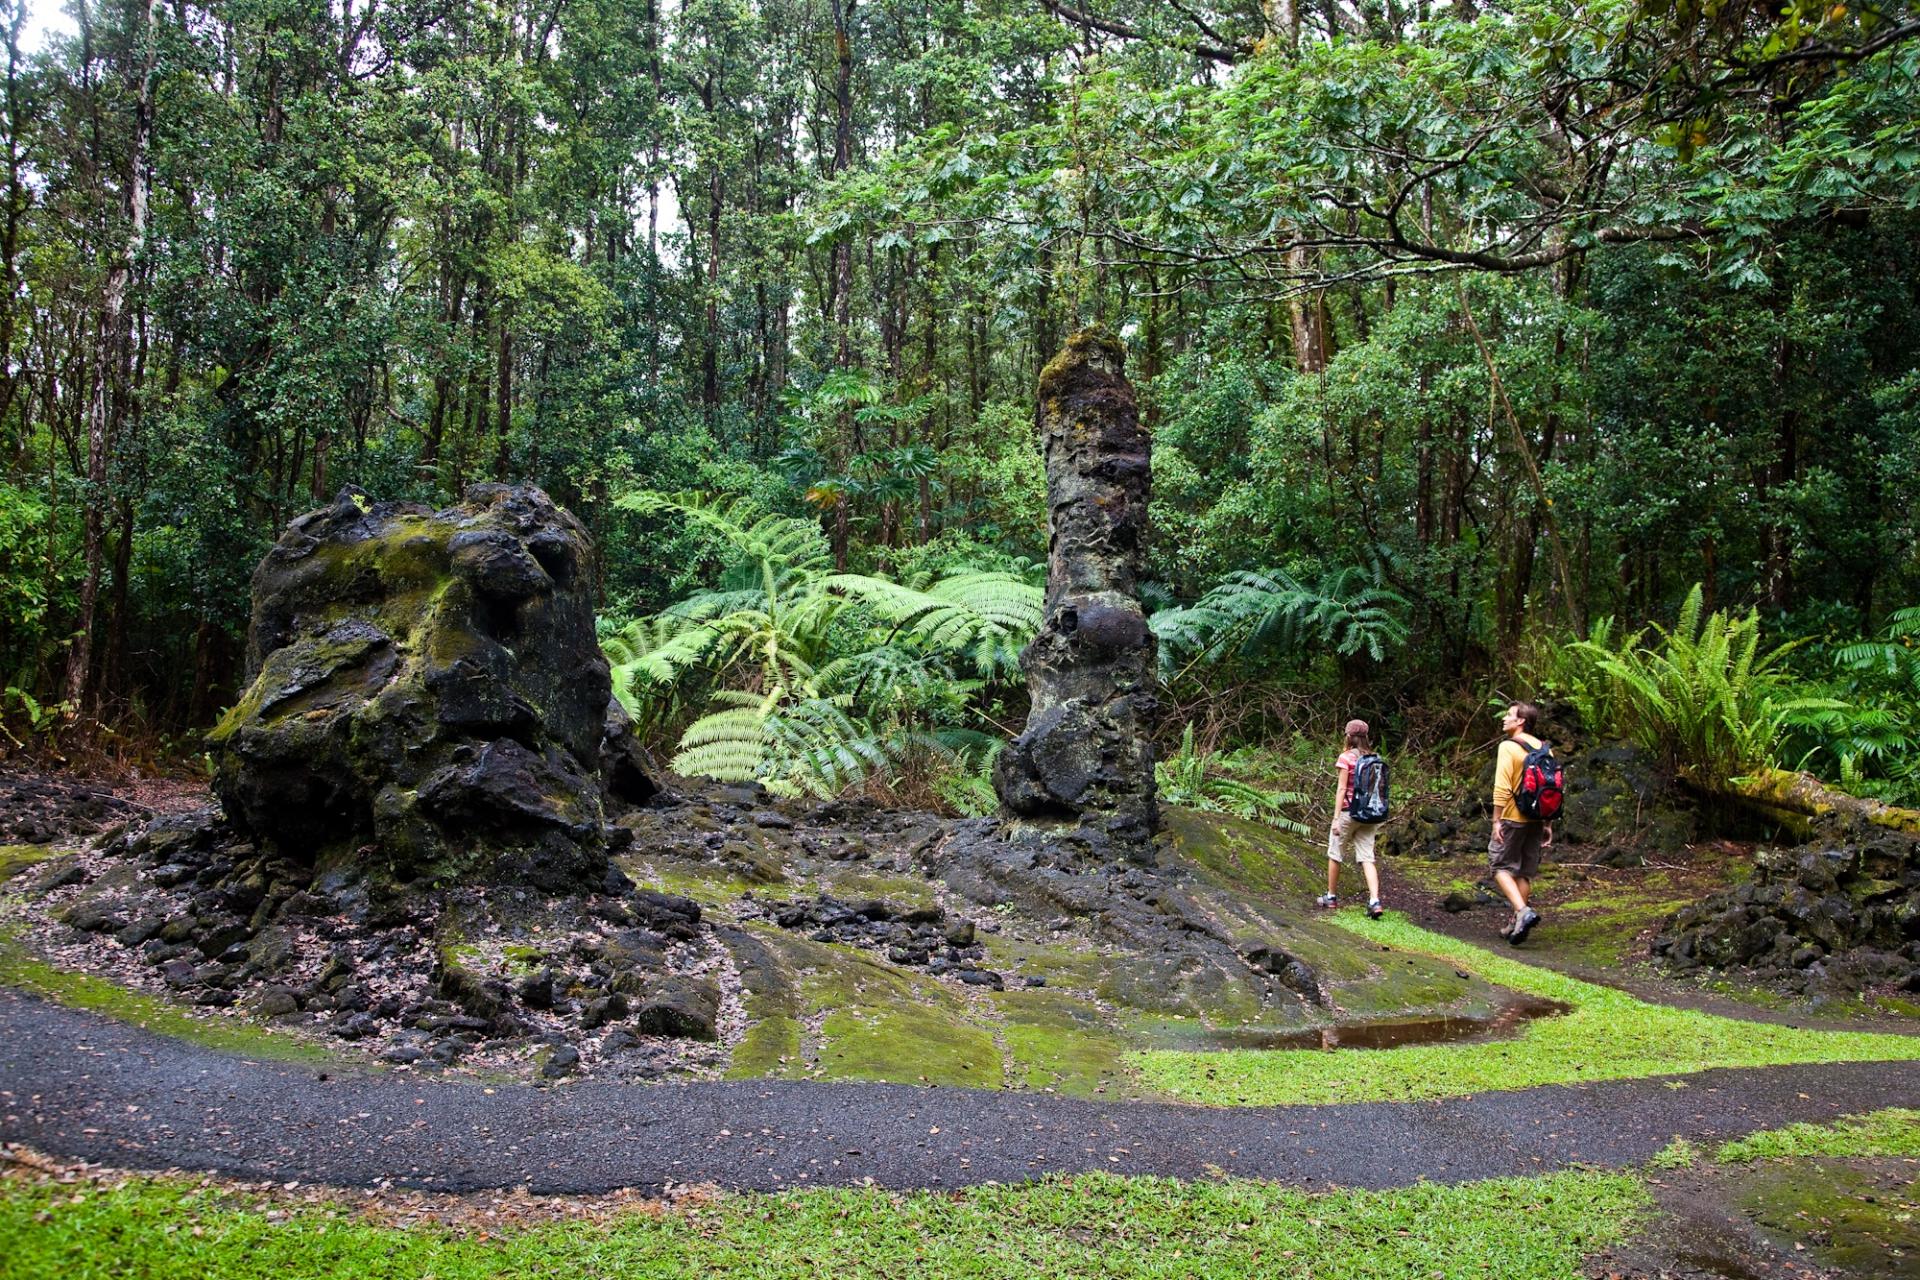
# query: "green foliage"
966,786
41,719
412,250
1205,780
1866,739
810,680
1705,698
1260,614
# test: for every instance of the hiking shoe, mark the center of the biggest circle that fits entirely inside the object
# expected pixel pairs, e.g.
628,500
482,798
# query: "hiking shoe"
1375,910
1328,900
1523,926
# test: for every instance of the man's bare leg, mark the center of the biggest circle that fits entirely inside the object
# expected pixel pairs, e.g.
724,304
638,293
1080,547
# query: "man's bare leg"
1333,876
1373,881
1514,888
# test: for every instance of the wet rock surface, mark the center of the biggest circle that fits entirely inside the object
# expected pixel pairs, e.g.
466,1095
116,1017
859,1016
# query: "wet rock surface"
914,936
427,684
1838,914
1081,772
1148,910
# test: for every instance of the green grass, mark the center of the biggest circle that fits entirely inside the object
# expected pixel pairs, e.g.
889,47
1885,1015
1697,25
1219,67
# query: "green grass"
1678,1154
160,1229
1609,1036
81,991
1892,1132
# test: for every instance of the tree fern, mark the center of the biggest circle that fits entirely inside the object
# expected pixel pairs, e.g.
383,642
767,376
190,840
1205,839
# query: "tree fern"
785,541
821,680
985,619
1254,613
1869,738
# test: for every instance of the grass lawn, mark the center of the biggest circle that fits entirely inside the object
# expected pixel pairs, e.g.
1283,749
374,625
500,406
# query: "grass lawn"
1894,1132
1609,1035
1093,1225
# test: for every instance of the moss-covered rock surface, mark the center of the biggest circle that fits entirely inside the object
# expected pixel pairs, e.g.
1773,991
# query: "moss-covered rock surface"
427,696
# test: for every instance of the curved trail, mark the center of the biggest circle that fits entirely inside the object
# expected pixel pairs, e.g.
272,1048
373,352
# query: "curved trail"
78,1085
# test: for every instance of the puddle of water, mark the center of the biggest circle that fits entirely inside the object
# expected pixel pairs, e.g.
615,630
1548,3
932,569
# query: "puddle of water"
1724,1266
1391,1033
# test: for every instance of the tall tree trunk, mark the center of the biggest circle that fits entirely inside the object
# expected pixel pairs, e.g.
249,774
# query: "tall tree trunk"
18,201
113,368
503,403
842,283
1776,538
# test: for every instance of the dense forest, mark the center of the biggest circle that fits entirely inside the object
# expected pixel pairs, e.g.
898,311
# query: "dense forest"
1462,331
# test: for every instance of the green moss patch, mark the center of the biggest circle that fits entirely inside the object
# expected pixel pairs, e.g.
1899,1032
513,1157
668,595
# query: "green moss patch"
773,1040
1518,1228
1608,1035
15,858
1247,855
1056,1042
706,883
1860,1220
876,1021
81,991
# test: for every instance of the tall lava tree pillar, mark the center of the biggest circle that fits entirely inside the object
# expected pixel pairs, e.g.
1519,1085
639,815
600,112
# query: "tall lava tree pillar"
1082,771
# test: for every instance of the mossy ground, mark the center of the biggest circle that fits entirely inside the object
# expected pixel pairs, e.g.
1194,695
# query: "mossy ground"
25,972
1843,1195
1608,1035
15,858
826,1011
1115,1024
1601,916
1861,1217
1519,1229
1601,919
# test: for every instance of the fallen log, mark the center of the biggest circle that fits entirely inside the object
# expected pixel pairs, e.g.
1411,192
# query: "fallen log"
1799,801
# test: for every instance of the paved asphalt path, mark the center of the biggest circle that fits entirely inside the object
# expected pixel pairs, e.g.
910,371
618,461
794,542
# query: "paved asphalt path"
78,1085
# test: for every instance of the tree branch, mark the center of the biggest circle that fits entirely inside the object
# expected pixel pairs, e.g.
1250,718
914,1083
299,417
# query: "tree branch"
1211,52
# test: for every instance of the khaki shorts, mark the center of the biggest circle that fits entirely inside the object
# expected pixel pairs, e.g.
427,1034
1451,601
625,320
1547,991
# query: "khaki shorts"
1515,847
1347,836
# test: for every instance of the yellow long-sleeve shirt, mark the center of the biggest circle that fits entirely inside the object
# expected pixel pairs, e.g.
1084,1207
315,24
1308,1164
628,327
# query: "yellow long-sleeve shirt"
1506,777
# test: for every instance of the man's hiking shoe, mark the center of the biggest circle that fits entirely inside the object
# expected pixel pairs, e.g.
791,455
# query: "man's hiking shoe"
1375,910
1328,900
1523,926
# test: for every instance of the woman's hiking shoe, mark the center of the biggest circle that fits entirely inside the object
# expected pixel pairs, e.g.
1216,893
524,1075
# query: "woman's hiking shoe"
1375,910
1328,900
1523,926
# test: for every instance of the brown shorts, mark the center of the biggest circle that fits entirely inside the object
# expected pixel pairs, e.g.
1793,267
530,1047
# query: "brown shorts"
1515,847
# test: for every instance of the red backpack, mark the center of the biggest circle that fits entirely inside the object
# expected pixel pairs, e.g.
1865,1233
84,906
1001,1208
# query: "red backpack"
1542,785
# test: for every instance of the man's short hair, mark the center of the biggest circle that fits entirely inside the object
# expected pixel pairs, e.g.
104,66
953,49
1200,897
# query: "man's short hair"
1528,713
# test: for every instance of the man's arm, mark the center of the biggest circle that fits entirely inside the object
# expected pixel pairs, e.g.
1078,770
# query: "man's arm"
1503,777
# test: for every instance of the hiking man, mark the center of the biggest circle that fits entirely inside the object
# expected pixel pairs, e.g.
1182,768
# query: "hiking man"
1514,851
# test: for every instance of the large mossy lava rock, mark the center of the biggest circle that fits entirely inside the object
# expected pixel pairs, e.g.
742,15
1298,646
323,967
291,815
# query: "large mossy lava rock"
427,695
